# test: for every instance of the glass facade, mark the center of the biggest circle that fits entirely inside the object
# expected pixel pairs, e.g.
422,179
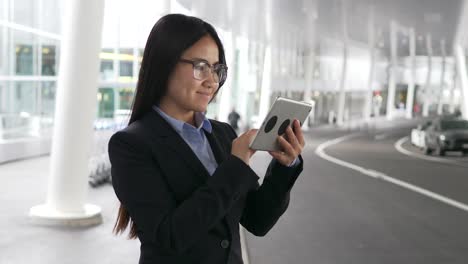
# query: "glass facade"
30,52
29,48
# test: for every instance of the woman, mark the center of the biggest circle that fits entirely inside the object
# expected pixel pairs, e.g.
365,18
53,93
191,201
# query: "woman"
184,181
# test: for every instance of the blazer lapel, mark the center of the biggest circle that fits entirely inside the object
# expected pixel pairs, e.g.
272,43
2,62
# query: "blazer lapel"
219,150
169,139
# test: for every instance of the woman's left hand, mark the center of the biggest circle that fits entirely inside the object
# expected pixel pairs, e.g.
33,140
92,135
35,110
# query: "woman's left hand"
292,147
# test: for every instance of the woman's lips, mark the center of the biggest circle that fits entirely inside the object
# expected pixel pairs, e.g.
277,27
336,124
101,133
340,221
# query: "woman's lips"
207,95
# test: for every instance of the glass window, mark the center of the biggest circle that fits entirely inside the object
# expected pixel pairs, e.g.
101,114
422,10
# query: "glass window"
126,69
24,59
3,98
48,90
23,44
4,51
25,97
4,9
50,21
126,97
49,65
454,124
107,64
126,62
105,99
25,12
107,69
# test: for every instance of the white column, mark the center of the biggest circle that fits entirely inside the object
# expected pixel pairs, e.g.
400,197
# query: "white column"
270,38
116,50
442,79
75,111
393,68
453,99
11,68
309,59
242,73
4,103
166,4
342,95
427,98
225,102
371,32
309,73
266,84
462,74
412,56
199,8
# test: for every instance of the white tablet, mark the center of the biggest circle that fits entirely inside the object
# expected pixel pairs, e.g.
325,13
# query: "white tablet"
281,115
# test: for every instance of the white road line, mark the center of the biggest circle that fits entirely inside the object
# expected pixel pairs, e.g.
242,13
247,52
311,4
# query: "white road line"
320,151
399,146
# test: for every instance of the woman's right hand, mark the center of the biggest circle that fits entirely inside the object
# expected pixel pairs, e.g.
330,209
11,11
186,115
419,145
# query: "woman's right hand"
240,146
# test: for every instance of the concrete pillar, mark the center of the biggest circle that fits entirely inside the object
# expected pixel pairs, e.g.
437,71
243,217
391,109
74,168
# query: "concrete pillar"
74,115
392,72
442,79
368,98
342,94
427,98
462,75
410,92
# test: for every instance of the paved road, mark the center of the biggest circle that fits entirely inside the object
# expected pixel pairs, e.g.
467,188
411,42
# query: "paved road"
338,215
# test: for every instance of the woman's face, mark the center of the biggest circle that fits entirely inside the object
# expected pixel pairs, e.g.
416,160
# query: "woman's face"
185,94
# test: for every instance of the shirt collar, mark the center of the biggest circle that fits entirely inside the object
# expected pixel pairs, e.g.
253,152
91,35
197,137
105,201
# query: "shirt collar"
200,120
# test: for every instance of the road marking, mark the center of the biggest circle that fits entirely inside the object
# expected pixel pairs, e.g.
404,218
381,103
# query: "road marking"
320,151
399,147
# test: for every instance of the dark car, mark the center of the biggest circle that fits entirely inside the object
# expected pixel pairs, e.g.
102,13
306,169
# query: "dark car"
447,134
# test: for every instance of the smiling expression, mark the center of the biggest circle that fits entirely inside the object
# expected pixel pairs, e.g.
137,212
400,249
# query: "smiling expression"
186,95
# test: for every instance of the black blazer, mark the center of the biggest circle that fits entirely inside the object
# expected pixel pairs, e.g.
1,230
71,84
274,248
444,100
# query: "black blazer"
182,214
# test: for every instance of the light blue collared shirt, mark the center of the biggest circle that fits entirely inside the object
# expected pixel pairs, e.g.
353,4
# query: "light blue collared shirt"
195,137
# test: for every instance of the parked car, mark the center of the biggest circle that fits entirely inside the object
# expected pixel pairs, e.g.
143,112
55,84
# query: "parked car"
447,134
418,135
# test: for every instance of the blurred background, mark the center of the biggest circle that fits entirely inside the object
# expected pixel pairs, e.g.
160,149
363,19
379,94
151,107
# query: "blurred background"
386,76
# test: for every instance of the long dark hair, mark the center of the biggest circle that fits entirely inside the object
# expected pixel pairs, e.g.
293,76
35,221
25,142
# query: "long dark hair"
169,38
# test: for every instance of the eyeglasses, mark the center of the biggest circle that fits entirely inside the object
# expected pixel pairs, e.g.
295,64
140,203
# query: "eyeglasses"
202,70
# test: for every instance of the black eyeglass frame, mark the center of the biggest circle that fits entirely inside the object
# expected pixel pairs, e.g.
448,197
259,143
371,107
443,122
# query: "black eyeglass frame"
212,68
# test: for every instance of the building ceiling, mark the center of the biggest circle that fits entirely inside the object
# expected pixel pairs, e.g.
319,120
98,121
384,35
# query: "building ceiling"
266,19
